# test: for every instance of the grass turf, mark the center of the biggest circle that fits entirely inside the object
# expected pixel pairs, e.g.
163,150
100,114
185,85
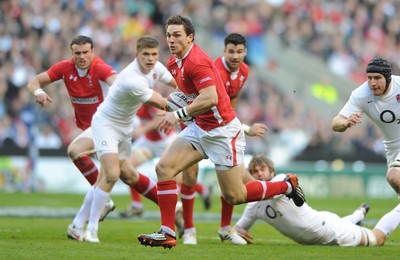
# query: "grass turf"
44,238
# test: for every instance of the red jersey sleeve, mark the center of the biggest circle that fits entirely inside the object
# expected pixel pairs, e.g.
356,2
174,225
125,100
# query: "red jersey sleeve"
103,70
57,71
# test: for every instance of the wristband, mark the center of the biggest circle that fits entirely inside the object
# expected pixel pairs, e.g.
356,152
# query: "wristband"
245,128
38,92
182,114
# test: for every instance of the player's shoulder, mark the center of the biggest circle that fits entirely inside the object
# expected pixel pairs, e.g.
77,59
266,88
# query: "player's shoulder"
218,60
99,62
361,92
160,66
396,81
198,56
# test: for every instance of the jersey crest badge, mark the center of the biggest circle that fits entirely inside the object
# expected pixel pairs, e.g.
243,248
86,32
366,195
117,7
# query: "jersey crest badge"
398,97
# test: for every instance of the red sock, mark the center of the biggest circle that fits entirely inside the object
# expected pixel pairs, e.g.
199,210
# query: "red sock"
147,187
187,197
135,195
260,190
226,212
199,188
88,169
167,197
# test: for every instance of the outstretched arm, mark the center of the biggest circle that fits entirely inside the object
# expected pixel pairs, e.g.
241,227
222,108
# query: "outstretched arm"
340,123
35,87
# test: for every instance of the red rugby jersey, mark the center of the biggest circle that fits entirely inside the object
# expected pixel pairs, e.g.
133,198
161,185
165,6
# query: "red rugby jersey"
86,92
195,72
233,82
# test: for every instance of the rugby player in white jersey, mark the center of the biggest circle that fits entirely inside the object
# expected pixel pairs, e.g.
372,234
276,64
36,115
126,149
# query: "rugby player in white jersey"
112,127
379,99
304,224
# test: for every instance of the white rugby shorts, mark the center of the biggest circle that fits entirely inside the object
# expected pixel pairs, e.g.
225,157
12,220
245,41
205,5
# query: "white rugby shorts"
110,137
346,233
224,145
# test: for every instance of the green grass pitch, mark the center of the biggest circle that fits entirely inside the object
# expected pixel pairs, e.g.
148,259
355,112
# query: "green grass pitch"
43,237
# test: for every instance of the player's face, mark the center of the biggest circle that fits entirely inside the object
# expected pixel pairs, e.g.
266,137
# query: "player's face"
147,59
234,55
262,173
376,83
83,55
178,42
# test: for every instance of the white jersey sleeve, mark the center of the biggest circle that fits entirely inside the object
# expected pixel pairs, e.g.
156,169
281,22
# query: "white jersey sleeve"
164,75
248,218
130,90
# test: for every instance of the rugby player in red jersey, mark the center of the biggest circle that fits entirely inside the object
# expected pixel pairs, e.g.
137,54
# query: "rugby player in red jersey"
216,133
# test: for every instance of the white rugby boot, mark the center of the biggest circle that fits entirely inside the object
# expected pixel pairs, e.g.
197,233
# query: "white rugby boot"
75,233
228,233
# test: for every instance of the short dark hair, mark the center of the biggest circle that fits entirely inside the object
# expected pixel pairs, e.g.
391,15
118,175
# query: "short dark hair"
146,42
80,40
235,39
180,20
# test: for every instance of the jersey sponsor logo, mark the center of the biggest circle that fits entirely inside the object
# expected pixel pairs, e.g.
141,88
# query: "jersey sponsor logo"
79,100
205,79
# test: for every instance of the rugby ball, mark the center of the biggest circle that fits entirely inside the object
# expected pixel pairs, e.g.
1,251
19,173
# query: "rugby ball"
176,100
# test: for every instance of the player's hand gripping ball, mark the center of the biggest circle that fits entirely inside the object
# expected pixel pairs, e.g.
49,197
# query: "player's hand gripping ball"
176,101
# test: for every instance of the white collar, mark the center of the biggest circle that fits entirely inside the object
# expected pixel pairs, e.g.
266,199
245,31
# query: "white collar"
81,72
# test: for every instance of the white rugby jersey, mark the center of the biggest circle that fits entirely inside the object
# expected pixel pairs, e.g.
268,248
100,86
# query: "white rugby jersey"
383,110
129,91
302,224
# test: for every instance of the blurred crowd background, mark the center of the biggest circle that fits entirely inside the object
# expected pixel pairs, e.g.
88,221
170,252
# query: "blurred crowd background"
345,35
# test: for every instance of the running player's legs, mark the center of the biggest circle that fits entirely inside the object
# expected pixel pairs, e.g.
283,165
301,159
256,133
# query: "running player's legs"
225,147
112,144
231,183
81,145
80,151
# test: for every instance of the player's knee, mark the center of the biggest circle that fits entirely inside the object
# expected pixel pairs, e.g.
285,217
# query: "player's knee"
393,176
75,150
72,151
163,171
233,198
371,237
380,237
129,175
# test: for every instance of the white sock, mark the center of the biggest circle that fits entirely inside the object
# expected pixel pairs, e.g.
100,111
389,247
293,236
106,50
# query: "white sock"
135,204
83,214
100,199
390,221
289,189
357,216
